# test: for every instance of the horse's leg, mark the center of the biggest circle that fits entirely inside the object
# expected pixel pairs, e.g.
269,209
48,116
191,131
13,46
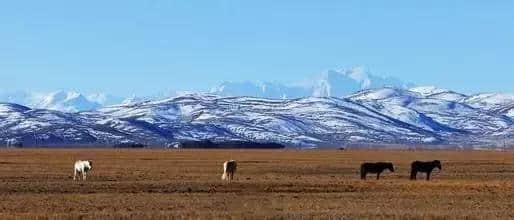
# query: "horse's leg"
378,175
83,175
74,174
363,174
413,174
428,175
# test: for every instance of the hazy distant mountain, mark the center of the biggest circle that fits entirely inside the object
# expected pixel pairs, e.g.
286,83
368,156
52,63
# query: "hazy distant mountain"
104,99
262,89
335,83
20,97
341,83
72,101
67,101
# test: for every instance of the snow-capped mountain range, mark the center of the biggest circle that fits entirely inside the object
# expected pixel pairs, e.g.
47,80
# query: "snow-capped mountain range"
331,83
377,116
67,101
338,107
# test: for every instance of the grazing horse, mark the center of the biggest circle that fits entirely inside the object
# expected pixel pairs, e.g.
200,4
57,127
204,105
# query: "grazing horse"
424,167
82,167
229,169
377,168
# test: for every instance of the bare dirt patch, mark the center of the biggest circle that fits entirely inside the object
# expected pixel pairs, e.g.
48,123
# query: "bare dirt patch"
158,184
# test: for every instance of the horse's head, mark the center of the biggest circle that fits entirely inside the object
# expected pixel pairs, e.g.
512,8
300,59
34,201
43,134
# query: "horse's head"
90,164
390,167
437,164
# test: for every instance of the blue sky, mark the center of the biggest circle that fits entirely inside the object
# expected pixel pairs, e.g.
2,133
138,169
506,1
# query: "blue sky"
142,47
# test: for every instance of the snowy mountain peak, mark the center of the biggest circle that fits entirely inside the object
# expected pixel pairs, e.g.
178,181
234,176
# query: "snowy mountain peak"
438,93
60,96
357,74
428,90
70,101
342,82
335,82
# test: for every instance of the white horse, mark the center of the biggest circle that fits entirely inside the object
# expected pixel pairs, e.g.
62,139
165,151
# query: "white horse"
82,167
229,169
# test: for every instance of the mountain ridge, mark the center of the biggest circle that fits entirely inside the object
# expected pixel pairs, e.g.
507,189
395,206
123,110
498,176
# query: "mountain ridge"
334,82
375,116
339,82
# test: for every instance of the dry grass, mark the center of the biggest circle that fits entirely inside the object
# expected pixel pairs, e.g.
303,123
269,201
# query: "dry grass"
155,184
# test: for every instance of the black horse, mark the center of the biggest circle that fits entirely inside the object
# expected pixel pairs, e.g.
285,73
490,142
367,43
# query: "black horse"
424,167
377,168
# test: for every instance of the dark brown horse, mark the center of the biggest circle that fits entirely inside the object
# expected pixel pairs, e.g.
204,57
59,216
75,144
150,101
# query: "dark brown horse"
424,167
377,168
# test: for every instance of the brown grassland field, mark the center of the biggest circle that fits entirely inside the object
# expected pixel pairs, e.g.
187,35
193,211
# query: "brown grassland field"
271,184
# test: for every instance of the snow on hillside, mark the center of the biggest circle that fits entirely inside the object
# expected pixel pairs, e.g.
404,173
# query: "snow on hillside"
384,93
381,116
438,93
428,90
448,96
437,115
510,113
489,100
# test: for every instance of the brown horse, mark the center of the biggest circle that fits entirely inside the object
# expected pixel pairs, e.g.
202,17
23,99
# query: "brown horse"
377,168
424,167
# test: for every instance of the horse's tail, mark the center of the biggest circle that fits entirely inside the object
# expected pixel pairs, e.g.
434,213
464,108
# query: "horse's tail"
224,176
413,171
363,172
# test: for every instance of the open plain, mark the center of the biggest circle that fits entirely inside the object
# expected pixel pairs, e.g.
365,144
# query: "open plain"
273,184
